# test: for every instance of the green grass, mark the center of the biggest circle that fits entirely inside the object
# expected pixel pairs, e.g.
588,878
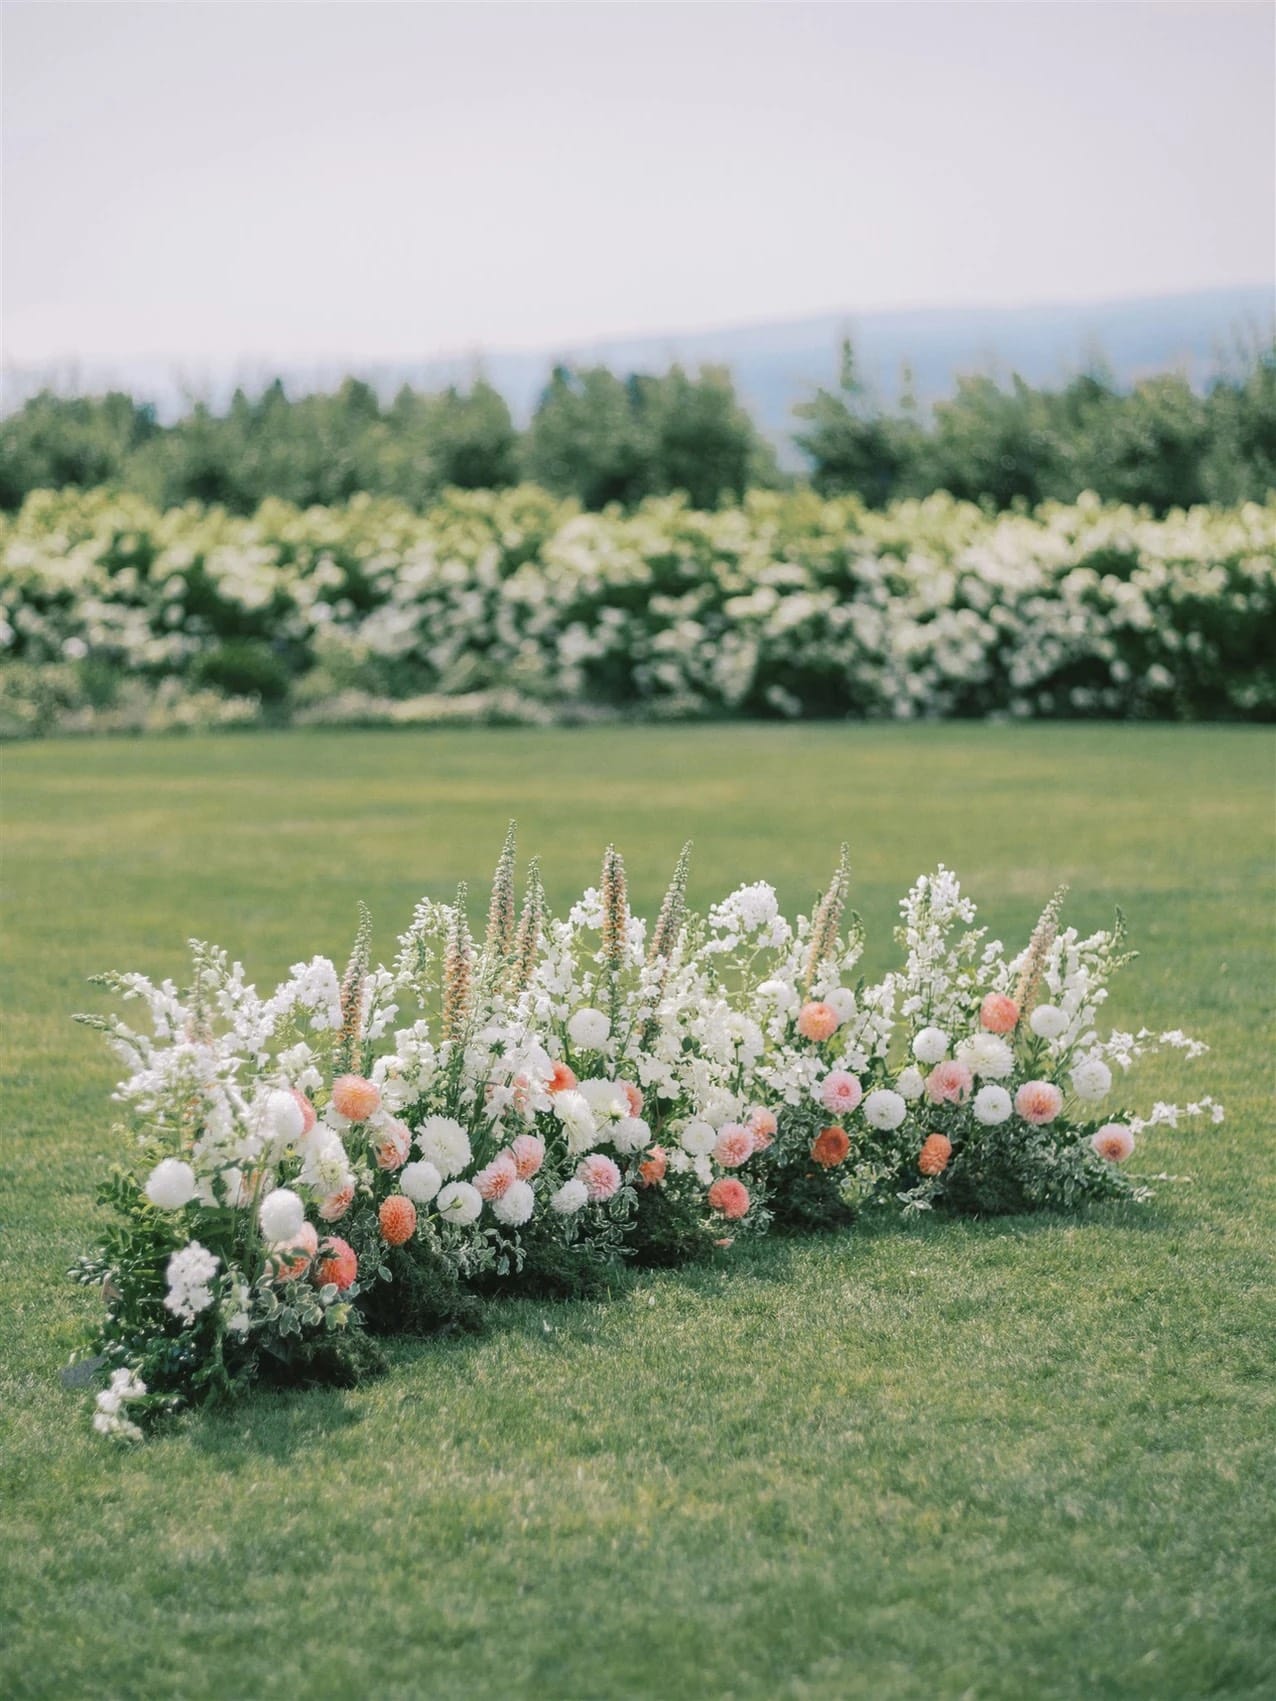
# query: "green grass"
941,1459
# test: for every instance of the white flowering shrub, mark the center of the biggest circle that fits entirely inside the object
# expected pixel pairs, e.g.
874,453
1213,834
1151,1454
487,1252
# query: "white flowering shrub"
522,1113
516,605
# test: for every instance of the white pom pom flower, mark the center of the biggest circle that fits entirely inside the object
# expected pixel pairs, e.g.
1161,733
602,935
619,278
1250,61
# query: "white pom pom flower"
930,1045
282,1214
1048,1022
588,1029
171,1184
515,1205
884,1109
420,1182
991,1106
459,1202
571,1197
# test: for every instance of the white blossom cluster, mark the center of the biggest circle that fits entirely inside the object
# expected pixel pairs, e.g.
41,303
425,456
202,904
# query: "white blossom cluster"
788,605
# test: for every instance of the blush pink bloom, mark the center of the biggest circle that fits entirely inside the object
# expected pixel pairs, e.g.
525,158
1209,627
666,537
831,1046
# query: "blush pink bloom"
998,1013
522,1093
305,1243
633,1097
562,1079
354,1097
1038,1101
840,1092
949,1083
528,1153
762,1125
337,1204
307,1111
495,1181
729,1197
600,1175
817,1022
733,1146
394,1146
1114,1142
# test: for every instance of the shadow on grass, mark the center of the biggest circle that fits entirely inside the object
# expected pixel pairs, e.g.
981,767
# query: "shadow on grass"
278,1423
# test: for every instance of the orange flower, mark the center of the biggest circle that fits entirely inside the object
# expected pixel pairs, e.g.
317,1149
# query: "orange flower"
652,1168
354,1097
831,1147
730,1197
397,1217
998,1013
337,1264
562,1079
305,1243
935,1153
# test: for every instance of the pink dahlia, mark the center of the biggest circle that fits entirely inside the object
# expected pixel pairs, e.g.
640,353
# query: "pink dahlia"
633,1097
1038,1101
840,1092
600,1175
394,1146
817,1022
651,1171
495,1181
562,1079
762,1125
1114,1142
949,1083
733,1146
528,1153
335,1206
305,1243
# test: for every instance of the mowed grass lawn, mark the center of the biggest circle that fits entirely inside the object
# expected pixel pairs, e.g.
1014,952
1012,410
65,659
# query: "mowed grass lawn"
1029,1458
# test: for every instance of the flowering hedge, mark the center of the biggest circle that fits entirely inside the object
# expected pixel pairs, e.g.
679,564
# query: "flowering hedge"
517,605
527,1114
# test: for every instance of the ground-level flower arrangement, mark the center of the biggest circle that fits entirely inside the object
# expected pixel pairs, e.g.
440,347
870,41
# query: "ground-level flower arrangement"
539,1108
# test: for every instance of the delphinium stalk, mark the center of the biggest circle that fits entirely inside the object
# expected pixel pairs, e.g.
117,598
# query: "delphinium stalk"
458,969
498,941
827,920
527,939
664,940
1028,986
352,984
615,897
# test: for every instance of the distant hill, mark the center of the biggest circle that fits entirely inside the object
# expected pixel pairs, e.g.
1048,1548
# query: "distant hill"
775,364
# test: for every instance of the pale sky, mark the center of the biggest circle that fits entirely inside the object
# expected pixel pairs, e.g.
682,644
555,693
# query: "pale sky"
218,180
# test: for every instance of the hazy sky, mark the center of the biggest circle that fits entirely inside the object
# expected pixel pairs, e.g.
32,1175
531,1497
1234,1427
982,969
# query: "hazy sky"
224,180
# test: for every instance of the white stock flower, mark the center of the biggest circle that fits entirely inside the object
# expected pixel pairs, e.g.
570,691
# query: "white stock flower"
588,1029
459,1202
910,1083
282,1214
991,1105
1048,1022
443,1142
190,1273
571,1197
171,1184
515,1205
420,1182
930,1045
884,1109
1091,1080
987,1055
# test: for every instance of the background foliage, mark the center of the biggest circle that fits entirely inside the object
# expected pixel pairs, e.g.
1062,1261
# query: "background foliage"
606,438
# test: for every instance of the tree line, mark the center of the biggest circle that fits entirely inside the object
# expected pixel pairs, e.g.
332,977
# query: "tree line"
603,438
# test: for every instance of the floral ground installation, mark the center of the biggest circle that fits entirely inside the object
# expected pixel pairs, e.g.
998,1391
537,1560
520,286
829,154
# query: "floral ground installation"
540,1110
